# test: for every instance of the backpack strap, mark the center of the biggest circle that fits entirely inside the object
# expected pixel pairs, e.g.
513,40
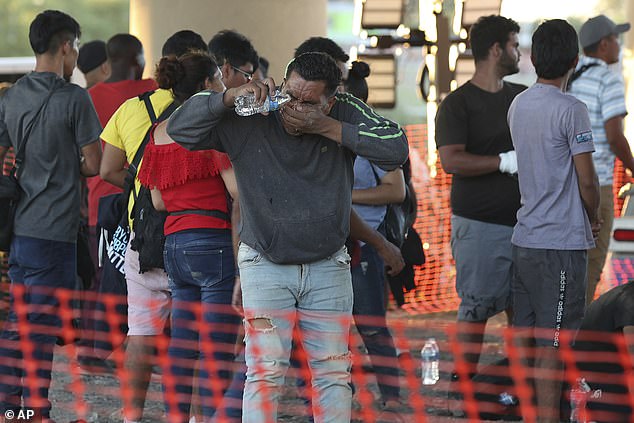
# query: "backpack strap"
21,148
578,73
148,105
133,167
153,119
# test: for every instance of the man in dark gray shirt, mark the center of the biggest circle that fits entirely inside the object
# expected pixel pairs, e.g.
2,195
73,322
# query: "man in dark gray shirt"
294,174
62,144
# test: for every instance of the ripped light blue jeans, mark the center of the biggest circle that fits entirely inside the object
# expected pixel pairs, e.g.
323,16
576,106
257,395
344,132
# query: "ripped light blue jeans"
318,298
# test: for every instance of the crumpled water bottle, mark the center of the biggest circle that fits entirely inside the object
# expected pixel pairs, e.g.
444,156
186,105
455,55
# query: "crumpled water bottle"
578,397
507,399
430,355
246,105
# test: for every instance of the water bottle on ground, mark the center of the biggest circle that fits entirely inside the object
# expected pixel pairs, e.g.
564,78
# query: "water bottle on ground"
430,355
507,399
246,105
578,397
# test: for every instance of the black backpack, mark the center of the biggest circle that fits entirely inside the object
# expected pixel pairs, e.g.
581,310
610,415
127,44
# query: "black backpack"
147,222
399,217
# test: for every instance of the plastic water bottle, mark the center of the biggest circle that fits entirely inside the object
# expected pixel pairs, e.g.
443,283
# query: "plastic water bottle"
430,355
578,397
507,399
246,106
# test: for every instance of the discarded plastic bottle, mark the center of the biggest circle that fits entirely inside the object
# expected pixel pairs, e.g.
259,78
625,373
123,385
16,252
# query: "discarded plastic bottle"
507,399
430,355
578,397
246,105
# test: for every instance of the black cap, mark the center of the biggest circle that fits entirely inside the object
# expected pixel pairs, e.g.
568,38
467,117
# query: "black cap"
91,55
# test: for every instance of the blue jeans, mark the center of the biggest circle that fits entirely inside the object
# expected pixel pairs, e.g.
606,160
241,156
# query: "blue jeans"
318,296
368,282
42,269
201,270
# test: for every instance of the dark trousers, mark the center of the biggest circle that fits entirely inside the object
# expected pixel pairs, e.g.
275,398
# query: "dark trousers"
42,270
99,336
368,309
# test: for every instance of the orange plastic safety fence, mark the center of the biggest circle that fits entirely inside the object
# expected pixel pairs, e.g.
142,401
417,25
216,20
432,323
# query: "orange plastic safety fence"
511,372
435,281
81,394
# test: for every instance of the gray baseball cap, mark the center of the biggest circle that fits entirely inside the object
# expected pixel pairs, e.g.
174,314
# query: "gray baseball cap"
594,29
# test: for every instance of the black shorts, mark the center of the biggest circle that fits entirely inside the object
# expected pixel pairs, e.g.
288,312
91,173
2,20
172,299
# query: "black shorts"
549,291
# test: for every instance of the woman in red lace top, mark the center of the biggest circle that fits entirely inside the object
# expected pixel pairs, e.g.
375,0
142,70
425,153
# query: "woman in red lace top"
196,188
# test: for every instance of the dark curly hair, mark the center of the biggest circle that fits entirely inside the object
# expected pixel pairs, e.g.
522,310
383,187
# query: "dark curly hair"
489,30
316,67
185,75
183,41
555,48
356,83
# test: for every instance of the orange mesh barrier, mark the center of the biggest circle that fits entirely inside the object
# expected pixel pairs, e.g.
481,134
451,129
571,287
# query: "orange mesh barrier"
77,393
503,388
435,280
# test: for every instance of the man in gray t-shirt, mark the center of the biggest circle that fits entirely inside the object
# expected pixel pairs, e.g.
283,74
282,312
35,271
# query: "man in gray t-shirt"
62,144
552,214
557,219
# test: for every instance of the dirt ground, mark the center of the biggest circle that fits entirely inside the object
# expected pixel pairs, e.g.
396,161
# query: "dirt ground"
97,397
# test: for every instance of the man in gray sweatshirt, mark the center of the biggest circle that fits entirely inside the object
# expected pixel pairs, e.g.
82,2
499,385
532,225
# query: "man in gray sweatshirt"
294,170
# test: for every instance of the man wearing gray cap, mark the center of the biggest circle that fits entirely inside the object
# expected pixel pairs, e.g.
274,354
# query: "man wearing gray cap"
603,92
